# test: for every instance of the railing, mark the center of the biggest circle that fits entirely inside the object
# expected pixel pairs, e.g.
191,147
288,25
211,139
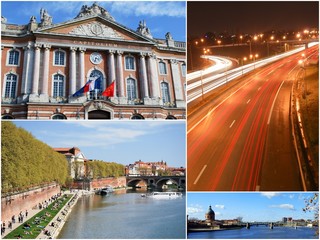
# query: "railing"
180,44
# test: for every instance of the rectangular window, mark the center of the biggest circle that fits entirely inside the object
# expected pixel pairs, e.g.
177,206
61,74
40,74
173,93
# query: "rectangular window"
129,63
59,58
13,57
162,68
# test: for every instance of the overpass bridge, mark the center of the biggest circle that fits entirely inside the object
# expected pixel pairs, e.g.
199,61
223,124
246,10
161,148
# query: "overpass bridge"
156,181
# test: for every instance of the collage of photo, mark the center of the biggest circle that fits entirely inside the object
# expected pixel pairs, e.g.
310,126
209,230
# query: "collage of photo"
159,119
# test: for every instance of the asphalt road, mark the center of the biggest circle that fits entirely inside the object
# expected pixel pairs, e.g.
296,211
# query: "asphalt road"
242,141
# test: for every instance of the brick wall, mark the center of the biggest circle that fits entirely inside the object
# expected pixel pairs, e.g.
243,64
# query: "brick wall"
26,201
100,183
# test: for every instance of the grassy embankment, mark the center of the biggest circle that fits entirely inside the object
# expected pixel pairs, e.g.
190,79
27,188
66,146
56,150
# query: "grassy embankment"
39,221
309,108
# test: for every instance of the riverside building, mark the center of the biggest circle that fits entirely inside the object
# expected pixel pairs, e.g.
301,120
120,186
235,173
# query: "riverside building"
45,63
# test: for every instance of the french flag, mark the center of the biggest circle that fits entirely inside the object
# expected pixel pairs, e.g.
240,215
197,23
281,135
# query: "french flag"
92,84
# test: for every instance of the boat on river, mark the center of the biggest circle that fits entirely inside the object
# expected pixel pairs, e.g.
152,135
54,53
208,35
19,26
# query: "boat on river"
163,195
105,191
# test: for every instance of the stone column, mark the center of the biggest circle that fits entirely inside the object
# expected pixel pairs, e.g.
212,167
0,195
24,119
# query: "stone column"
153,76
72,74
81,69
177,84
111,72
36,70
26,69
45,73
143,74
120,82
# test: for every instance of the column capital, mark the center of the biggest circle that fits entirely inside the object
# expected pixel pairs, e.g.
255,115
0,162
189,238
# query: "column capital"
82,49
119,52
142,54
47,46
152,55
73,49
27,47
173,61
37,46
111,52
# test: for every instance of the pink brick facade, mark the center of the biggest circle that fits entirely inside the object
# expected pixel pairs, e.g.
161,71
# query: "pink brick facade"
25,201
103,182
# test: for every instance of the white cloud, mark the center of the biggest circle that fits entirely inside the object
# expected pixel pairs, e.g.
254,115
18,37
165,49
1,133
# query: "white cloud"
270,194
283,206
193,209
219,206
152,9
291,196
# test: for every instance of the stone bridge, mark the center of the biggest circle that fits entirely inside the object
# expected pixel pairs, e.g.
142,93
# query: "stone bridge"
156,181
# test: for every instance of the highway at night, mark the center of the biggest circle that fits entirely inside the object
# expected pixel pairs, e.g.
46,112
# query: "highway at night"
242,140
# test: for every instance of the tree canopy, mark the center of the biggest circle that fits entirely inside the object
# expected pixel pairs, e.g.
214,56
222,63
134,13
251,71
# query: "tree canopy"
100,169
26,161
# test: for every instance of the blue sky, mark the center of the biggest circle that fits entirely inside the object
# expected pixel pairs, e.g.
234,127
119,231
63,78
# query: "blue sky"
252,206
160,16
122,142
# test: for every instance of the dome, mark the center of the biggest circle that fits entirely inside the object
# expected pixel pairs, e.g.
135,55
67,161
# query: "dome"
210,215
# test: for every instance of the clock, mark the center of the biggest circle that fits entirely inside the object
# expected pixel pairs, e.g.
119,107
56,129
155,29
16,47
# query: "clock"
95,58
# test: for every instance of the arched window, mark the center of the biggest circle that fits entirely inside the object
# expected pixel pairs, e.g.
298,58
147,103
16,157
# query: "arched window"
129,60
131,89
171,117
165,92
59,58
13,57
7,116
11,85
58,85
58,116
183,69
162,67
137,117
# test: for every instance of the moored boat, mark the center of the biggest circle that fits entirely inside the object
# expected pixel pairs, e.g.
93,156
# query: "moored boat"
163,195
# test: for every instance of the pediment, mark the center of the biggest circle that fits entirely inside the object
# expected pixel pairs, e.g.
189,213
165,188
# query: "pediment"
94,27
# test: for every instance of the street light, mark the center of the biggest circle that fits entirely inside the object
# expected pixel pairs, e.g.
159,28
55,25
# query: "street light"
244,59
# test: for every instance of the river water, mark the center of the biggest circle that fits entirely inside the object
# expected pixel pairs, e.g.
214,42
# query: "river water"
125,215
260,232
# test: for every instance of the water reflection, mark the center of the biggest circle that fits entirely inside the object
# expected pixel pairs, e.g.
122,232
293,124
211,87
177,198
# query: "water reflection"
126,215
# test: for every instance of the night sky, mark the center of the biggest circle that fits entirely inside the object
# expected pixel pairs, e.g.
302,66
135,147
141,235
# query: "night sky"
250,17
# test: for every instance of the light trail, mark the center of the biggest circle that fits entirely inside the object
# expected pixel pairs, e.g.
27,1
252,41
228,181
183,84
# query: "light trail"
203,85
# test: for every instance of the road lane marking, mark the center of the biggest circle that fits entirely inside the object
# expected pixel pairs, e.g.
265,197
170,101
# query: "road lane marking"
270,72
195,182
209,113
248,100
232,123
274,100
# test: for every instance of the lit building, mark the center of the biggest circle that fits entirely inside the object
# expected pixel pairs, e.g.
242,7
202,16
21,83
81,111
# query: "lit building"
44,64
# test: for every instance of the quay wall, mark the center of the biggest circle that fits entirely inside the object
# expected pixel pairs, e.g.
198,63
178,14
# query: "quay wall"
15,203
100,183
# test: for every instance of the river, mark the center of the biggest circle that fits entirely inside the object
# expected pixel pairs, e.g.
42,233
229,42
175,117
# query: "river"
125,215
260,232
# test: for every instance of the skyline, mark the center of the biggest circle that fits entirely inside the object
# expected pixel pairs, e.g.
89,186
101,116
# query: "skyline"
250,17
251,206
121,142
171,14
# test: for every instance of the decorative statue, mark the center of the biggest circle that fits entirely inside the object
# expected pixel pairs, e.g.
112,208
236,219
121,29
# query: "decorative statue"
46,19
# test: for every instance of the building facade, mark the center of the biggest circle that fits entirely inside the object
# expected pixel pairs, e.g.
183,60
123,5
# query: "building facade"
76,161
44,64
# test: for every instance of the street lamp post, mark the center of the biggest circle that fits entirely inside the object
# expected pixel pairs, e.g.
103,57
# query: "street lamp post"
244,59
